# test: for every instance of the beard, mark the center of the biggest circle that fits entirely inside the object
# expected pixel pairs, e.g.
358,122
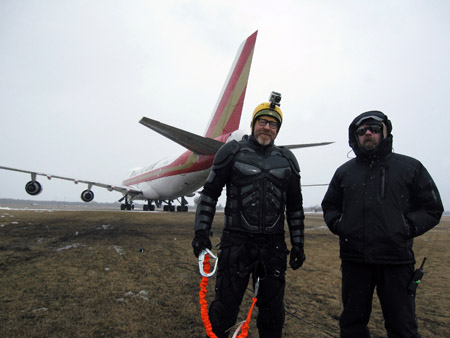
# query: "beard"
369,144
264,139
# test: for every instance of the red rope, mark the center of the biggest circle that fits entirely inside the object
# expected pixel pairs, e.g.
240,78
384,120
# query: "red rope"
245,326
204,306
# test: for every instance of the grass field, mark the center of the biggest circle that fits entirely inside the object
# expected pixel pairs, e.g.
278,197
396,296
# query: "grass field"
133,274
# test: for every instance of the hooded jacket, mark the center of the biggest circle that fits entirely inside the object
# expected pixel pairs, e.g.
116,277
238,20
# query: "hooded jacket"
379,201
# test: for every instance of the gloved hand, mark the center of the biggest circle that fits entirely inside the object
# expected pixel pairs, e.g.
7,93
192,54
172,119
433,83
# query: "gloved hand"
201,241
297,257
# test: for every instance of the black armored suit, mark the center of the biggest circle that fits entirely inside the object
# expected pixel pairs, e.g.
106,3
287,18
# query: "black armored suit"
263,184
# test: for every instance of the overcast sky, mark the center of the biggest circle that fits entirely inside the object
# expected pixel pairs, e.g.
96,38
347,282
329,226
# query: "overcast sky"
77,76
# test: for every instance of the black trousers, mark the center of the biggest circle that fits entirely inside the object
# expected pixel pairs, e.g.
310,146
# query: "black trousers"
239,259
397,302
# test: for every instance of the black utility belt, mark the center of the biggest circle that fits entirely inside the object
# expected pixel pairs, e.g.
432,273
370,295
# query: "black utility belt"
252,236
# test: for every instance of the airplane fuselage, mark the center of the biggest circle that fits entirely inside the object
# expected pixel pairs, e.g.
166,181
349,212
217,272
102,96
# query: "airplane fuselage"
175,176
179,177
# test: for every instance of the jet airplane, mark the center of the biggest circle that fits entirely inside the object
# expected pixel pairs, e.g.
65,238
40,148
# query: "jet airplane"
182,175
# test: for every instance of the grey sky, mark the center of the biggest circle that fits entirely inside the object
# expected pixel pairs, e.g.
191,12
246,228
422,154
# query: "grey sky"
77,76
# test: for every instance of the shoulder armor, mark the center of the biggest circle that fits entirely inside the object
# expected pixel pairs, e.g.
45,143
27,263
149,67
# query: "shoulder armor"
292,159
225,154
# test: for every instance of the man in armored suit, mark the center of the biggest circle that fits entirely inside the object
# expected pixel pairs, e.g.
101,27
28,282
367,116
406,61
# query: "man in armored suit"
263,188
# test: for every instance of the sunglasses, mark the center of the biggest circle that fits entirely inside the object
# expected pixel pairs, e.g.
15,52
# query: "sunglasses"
263,123
373,129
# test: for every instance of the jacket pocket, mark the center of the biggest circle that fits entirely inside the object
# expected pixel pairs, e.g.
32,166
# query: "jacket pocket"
406,228
336,228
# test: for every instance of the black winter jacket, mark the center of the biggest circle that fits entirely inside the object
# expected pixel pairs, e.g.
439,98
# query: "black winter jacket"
377,203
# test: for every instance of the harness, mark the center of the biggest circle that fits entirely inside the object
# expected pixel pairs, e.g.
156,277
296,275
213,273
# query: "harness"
257,254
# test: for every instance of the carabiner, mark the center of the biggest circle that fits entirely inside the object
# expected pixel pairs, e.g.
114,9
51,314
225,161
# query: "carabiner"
257,287
201,258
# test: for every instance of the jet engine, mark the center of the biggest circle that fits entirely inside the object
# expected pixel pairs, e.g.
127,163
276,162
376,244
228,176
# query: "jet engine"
33,188
87,195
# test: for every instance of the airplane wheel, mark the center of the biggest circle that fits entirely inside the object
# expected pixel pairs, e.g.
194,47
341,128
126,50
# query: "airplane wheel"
152,208
123,207
145,207
172,208
166,208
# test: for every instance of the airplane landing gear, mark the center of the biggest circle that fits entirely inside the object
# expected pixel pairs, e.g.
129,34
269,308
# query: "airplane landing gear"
169,207
128,205
184,205
149,206
182,208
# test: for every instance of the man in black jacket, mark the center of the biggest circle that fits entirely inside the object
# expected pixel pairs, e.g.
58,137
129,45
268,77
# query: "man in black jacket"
377,203
263,185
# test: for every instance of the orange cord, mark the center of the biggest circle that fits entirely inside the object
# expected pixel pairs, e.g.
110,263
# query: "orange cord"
204,306
245,326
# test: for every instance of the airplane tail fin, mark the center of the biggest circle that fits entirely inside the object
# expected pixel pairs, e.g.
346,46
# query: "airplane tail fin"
226,115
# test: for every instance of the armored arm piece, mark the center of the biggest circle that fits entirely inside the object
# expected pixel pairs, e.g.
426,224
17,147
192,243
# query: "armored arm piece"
294,214
296,230
294,211
206,209
296,227
203,219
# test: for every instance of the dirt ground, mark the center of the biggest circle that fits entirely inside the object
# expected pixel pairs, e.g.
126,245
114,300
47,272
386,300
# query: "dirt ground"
133,274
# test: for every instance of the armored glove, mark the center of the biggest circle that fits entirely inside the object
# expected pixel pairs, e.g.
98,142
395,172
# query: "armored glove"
297,257
201,241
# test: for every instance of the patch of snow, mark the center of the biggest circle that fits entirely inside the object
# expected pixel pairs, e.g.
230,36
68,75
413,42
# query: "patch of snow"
67,247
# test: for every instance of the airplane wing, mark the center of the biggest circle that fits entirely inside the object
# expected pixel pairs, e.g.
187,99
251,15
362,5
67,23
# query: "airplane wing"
124,190
306,145
199,144
196,143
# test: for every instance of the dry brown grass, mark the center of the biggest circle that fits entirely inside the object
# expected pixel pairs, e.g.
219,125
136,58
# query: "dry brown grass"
82,274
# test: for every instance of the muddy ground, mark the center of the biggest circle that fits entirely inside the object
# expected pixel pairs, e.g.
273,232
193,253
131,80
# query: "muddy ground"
133,274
